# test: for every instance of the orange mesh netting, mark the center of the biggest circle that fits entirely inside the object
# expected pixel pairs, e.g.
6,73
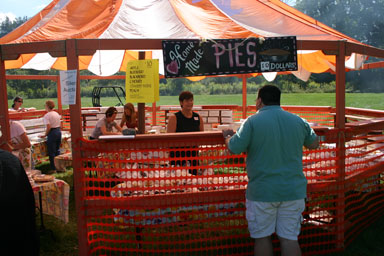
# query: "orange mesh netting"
169,194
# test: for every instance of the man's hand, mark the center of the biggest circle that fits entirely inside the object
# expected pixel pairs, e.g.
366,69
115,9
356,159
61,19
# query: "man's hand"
227,133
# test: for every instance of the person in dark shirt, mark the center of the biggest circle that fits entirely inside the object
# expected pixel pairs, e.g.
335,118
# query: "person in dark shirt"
18,234
185,121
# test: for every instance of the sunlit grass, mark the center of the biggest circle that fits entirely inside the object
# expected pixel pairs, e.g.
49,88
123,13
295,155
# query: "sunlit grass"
357,100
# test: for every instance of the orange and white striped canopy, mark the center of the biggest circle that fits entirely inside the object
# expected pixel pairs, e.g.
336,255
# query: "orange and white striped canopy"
173,19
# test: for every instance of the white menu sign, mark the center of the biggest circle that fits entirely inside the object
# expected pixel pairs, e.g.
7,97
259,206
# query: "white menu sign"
68,86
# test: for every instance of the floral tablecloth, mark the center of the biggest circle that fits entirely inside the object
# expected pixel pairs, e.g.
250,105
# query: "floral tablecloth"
55,198
63,161
39,147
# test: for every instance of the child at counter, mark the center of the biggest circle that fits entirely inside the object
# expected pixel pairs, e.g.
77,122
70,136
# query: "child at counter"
105,125
129,117
16,106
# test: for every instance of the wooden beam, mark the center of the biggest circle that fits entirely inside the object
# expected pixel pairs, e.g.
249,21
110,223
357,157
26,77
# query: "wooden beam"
141,106
32,77
379,64
87,46
13,51
364,50
340,144
244,89
4,115
76,134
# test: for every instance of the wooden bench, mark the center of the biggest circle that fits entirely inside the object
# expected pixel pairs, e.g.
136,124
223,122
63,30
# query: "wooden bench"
353,118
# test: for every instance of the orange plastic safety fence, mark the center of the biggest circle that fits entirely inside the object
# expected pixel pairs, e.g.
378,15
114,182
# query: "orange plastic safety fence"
185,195
160,197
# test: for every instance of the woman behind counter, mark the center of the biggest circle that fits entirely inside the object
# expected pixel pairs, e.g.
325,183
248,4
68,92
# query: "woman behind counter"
16,106
52,132
185,121
129,116
105,125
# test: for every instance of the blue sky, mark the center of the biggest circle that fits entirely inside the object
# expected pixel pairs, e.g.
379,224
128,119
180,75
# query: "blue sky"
21,8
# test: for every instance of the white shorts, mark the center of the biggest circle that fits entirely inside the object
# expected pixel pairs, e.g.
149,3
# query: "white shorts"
284,218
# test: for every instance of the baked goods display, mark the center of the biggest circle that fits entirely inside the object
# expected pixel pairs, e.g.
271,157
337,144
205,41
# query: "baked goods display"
43,178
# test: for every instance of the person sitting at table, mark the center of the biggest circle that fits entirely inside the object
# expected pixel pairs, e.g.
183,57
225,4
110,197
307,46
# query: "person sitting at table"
105,125
16,106
18,233
129,117
52,121
185,121
21,146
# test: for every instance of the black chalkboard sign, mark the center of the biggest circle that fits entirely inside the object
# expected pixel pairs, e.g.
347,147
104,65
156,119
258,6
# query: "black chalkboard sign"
183,58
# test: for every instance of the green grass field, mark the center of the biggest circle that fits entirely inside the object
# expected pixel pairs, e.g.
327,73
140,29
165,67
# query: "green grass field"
358,100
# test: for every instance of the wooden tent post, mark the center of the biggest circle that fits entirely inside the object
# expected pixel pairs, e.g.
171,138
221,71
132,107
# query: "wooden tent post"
76,134
154,113
141,106
340,144
4,116
244,77
59,103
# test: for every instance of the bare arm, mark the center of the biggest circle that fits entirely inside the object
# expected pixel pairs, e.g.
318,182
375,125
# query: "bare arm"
47,130
314,145
24,144
105,132
172,123
118,127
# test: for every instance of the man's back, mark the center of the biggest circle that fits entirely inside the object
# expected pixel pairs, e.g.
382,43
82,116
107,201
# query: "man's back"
274,140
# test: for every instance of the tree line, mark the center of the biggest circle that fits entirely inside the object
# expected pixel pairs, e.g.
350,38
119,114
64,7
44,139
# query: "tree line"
359,19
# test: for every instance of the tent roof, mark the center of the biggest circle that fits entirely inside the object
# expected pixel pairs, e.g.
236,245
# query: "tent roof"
172,19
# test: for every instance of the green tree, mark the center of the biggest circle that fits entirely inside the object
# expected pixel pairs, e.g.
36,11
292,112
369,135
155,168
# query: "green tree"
7,25
360,19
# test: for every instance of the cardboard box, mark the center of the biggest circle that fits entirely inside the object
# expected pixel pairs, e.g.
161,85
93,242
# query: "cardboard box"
207,127
214,112
226,113
203,112
213,119
226,120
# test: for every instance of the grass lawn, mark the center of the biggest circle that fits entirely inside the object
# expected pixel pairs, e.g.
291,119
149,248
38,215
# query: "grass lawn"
358,100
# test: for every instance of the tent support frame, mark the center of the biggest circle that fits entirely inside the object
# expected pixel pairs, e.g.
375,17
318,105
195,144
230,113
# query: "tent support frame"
73,48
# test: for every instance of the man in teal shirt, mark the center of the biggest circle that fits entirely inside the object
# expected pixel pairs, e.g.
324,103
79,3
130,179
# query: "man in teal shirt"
276,191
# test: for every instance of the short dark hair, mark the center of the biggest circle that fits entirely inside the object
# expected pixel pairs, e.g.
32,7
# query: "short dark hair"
270,95
17,98
185,95
110,111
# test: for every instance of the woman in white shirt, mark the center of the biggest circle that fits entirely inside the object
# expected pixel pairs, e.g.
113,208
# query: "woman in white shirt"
52,122
21,146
